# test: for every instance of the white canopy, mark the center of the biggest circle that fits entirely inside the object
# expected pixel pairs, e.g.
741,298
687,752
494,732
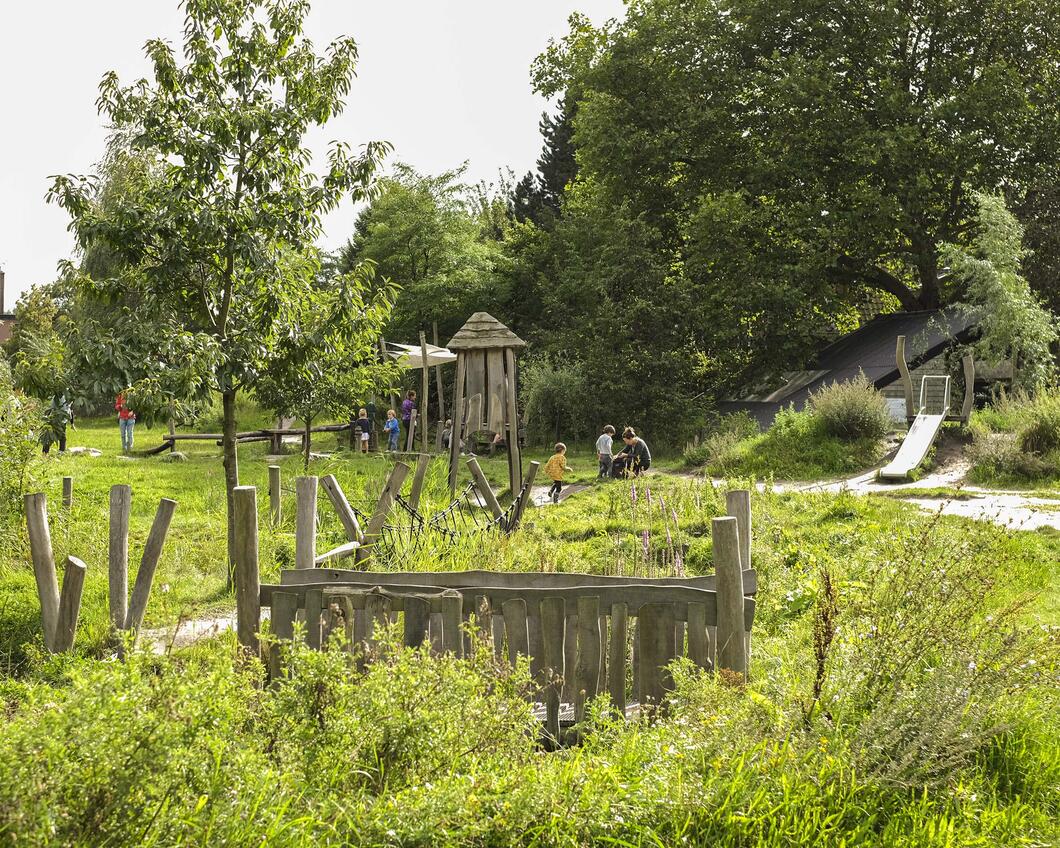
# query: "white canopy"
411,356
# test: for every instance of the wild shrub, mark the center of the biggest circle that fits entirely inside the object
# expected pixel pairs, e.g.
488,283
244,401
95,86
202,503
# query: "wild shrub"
1040,435
722,438
554,395
851,410
1017,439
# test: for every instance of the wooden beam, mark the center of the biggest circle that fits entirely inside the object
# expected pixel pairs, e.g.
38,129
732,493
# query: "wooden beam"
343,509
425,384
422,462
382,508
145,575
439,387
484,488
515,461
457,434
524,496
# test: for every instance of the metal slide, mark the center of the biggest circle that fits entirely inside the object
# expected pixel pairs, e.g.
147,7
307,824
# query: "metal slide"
921,435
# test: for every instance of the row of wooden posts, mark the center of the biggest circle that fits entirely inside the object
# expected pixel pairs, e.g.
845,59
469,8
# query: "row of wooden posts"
60,610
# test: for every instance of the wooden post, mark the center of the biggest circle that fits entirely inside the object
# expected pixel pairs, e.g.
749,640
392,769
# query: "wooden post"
457,434
343,509
524,498
587,659
483,486
515,462
552,631
149,563
410,437
247,579
417,618
305,531
68,492
731,648
451,603
968,361
40,544
275,495
907,381
422,462
382,508
698,644
738,505
438,382
617,659
513,611
425,383
658,647
281,624
118,555
69,605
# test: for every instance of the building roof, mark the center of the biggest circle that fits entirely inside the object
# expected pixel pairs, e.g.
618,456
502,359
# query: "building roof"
483,331
870,350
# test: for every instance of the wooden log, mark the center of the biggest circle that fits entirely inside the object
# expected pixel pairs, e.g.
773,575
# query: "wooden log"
552,632
69,605
68,492
617,657
907,381
698,645
587,661
118,554
417,619
343,509
149,563
314,610
382,508
339,553
738,505
515,629
452,604
425,384
439,390
305,531
423,461
731,651
247,577
524,495
275,495
281,622
457,434
515,462
40,545
484,488
658,649
968,362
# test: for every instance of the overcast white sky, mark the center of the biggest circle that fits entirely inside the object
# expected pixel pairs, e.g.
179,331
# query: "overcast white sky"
442,80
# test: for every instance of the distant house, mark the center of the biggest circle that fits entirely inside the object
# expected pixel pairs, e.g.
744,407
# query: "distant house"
871,349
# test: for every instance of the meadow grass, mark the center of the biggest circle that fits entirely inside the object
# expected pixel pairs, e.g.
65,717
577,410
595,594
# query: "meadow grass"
188,748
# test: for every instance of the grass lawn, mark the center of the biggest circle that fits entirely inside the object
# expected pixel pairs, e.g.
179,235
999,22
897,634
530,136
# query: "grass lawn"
189,749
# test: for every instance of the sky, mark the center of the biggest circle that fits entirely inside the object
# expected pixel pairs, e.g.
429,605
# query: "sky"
443,81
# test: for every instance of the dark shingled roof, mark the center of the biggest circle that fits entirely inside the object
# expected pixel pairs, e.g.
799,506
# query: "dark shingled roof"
869,349
483,331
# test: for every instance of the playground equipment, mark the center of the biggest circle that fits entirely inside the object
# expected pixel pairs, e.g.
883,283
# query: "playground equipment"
926,420
574,628
60,611
485,391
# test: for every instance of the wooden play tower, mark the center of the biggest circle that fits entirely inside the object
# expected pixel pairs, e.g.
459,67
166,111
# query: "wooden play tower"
485,390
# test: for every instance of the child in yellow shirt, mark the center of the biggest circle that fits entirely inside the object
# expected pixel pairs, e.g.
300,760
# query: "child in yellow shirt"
555,468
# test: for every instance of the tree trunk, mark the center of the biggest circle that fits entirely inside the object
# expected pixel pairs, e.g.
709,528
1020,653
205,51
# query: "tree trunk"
231,466
307,440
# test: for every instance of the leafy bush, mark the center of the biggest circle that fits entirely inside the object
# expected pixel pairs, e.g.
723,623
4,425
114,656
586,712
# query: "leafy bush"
19,424
554,401
851,410
1017,440
722,438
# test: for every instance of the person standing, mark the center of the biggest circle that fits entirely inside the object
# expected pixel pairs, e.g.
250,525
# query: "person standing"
407,405
392,429
603,451
126,423
555,468
365,426
60,413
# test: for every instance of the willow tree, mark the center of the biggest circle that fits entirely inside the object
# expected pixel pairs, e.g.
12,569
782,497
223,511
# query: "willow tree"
235,195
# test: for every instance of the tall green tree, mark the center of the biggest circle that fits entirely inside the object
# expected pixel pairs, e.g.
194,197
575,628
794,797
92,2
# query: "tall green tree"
538,197
234,196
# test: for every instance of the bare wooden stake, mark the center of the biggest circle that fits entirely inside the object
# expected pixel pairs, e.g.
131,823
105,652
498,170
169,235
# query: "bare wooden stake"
515,462
68,492
149,563
69,604
425,383
587,661
40,545
438,386
738,505
305,531
118,554
247,577
343,509
731,646
275,495
484,489
618,655
552,632
422,462
524,497
457,434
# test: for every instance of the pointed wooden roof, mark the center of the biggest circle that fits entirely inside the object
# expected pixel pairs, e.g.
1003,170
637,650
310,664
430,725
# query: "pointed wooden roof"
483,331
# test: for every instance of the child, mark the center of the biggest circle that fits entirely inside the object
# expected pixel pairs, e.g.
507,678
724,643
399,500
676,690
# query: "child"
603,450
555,468
392,428
366,426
